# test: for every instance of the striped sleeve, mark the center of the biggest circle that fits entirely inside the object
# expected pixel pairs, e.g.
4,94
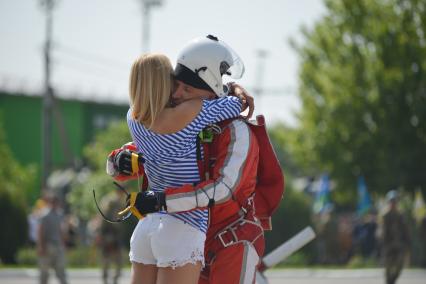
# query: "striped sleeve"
217,110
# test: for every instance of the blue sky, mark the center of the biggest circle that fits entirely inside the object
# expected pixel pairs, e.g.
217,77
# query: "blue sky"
95,42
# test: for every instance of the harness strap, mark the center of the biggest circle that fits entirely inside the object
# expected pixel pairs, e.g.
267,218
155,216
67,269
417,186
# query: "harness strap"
135,163
199,159
205,165
206,148
233,234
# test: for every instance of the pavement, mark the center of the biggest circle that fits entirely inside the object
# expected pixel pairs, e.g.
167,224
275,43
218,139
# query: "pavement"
275,276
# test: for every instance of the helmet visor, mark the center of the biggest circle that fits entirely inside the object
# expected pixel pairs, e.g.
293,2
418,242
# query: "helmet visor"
236,70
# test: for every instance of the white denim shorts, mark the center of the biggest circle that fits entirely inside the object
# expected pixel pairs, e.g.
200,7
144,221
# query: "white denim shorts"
166,241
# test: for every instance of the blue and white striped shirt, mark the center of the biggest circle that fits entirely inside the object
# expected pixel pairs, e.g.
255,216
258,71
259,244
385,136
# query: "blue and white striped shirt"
171,158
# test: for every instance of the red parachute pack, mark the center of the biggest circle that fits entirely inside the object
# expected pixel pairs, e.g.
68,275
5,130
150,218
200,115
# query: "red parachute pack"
270,179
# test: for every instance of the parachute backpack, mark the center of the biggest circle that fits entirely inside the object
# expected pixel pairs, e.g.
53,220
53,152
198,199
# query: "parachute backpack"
269,188
270,179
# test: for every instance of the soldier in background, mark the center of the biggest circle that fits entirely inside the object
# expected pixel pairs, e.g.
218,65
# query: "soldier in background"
422,238
50,242
395,239
109,240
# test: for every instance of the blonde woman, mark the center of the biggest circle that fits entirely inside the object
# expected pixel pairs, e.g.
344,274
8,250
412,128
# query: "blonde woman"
169,248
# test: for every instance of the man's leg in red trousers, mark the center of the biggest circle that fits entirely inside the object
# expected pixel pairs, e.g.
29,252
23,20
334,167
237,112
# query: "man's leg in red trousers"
234,265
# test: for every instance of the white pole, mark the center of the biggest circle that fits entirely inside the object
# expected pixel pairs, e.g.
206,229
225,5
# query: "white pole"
284,251
146,22
289,247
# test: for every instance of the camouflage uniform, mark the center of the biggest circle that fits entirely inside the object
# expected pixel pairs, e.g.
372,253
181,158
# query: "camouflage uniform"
395,244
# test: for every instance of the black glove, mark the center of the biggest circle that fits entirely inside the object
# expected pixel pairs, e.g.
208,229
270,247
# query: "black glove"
123,162
147,202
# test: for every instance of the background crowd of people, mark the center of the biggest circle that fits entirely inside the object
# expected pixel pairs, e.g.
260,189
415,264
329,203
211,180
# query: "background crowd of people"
343,238
372,238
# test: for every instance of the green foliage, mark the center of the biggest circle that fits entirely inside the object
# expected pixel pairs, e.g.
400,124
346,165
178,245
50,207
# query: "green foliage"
26,256
15,181
280,136
96,153
81,256
363,88
358,261
113,137
13,219
298,259
294,212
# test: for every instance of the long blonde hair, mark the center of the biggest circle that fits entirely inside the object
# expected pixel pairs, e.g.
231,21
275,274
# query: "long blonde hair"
150,87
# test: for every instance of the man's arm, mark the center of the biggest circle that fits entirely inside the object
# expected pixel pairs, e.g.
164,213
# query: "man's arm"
235,169
126,163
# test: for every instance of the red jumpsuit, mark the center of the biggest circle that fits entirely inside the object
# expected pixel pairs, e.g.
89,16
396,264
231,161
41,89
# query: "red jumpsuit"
235,240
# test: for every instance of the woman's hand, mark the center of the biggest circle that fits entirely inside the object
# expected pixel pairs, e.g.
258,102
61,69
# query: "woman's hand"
246,99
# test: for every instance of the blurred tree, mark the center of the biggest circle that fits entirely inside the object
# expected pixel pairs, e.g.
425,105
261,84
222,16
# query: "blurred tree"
94,177
81,196
15,181
280,135
363,93
293,215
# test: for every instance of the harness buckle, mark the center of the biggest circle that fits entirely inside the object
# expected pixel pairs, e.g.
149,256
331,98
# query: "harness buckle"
233,240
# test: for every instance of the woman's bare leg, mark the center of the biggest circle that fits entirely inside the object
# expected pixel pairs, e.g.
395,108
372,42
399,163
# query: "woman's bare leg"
187,274
143,273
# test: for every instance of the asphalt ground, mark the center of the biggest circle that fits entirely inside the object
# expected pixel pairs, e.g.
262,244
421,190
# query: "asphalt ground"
275,276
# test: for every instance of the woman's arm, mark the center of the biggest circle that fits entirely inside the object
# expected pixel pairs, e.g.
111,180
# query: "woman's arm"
219,109
199,112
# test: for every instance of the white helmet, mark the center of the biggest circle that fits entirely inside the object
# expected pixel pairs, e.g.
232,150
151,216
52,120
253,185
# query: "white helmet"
203,62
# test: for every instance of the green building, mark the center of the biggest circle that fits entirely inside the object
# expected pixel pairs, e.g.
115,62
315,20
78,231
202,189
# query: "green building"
75,122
